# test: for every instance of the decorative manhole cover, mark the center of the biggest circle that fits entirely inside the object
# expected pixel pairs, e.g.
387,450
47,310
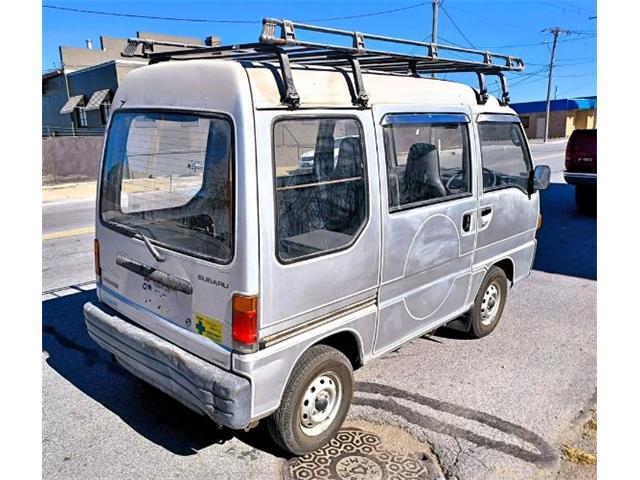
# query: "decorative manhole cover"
356,455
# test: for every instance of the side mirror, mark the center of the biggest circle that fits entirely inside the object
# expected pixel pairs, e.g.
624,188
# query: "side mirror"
540,178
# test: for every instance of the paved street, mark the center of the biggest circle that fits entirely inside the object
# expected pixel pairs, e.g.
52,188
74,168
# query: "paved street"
497,408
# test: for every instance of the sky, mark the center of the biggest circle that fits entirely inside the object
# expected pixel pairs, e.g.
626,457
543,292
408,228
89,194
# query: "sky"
513,27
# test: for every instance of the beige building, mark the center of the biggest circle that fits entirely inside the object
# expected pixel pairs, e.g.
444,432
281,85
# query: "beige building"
566,115
76,98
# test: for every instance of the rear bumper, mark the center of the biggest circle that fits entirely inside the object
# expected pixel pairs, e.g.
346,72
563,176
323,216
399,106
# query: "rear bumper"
582,179
201,386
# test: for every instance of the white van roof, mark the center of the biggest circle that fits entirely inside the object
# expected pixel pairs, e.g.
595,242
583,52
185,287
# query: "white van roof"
200,84
327,86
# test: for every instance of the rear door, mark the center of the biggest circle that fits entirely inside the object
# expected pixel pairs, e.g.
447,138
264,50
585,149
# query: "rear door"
428,218
169,250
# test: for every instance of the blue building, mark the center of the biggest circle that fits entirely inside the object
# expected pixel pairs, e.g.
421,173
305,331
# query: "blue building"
567,115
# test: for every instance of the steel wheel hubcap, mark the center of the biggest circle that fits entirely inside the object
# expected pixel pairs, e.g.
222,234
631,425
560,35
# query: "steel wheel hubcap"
490,304
320,403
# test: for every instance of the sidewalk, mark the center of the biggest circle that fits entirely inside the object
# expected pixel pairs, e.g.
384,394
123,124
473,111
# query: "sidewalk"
68,191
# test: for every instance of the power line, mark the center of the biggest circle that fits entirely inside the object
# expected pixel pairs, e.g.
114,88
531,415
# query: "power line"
371,14
148,17
587,35
482,15
573,89
456,26
212,20
567,6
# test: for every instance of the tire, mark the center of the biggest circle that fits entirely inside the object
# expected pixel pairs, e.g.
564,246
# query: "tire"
320,371
489,303
586,200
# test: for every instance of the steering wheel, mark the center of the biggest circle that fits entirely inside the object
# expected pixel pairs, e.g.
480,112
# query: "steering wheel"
455,182
489,178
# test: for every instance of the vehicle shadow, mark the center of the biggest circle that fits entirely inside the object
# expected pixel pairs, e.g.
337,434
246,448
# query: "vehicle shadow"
168,424
567,241
150,412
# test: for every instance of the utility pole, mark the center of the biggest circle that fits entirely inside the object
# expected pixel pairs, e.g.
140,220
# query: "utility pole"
555,31
434,25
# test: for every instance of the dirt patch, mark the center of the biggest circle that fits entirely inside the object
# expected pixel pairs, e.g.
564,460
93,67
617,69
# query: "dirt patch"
579,458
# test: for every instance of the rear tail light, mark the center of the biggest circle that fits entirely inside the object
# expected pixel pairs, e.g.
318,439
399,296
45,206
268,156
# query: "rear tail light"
539,222
96,258
245,322
568,156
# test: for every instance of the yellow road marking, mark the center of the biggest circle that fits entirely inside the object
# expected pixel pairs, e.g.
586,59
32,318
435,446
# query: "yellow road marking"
68,233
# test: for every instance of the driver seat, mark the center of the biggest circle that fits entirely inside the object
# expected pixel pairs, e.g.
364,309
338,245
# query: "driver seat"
422,180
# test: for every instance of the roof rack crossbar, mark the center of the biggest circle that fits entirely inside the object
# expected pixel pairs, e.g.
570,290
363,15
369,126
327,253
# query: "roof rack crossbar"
279,41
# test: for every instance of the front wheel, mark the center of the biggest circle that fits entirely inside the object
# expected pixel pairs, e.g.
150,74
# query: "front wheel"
489,303
315,401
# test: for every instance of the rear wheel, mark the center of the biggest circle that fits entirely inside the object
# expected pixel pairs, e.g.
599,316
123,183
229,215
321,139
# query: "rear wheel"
315,401
489,303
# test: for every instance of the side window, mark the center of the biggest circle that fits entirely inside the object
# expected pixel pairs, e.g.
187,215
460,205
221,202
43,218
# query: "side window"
427,159
505,161
320,183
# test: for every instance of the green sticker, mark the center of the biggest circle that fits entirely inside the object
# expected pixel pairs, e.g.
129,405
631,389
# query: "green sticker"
209,327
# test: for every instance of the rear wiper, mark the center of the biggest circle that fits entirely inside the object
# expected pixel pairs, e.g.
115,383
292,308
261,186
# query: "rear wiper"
154,251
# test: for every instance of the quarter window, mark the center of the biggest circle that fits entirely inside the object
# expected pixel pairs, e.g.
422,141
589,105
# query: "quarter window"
505,160
427,159
320,183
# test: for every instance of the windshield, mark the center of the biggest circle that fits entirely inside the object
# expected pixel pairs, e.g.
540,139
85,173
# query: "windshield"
168,176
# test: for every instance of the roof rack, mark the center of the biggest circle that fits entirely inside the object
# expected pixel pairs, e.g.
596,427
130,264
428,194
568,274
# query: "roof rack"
286,48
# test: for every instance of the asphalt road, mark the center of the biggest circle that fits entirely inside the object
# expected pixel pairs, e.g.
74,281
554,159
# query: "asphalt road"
496,408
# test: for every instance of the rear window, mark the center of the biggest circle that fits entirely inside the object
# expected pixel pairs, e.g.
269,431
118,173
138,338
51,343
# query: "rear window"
585,140
168,176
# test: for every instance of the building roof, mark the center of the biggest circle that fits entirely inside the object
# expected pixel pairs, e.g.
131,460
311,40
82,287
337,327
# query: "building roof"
580,103
51,74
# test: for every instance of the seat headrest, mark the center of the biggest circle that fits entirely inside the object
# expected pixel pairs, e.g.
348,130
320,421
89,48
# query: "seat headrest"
419,150
349,158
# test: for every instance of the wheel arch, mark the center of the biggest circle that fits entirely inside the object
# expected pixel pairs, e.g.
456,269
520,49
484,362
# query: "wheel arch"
346,341
507,265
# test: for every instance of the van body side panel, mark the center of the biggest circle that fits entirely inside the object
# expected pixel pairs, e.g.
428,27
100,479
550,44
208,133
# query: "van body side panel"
204,88
426,255
304,290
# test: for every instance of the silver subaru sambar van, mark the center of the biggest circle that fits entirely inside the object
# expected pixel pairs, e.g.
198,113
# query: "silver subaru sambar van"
271,216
